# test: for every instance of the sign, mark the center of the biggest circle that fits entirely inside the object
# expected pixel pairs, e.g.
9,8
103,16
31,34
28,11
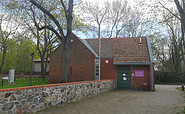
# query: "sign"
139,73
5,78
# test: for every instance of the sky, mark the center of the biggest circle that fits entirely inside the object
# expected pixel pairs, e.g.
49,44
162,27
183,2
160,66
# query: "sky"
147,7
137,4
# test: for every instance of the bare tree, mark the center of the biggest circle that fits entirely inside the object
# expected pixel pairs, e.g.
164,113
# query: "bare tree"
169,56
95,14
117,17
181,17
45,39
113,18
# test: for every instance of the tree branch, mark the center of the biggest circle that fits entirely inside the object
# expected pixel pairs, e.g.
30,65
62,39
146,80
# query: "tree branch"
63,5
44,27
181,11
170,11
52,29
51,16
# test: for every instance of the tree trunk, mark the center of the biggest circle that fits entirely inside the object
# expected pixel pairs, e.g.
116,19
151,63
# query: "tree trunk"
31,72
65,49
99,30
46,65
181,12
3,60
43,73
182,49
64,74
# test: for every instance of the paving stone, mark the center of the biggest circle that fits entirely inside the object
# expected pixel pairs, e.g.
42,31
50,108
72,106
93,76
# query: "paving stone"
23,101
20,98
33,107
18,106
26,107
4,101
18,93
8,106
1,97
30,99
41,100
7,95
44,94
12,98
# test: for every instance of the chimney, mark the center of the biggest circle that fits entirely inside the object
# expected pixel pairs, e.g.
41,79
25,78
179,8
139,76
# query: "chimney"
140,46
140,43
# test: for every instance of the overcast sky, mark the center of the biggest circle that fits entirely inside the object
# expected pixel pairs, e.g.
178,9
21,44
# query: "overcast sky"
147,7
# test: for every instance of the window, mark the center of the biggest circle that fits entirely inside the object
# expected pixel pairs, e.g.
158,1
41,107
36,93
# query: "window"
70,71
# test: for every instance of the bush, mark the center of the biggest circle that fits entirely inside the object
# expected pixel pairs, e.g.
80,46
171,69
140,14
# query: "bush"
168,77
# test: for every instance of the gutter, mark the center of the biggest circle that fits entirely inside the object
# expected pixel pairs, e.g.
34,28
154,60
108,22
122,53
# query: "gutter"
120,63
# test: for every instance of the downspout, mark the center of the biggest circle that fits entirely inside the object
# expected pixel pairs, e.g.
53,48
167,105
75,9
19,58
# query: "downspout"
152,76
99,57
151,61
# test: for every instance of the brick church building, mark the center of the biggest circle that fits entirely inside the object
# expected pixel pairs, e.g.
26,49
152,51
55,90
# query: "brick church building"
127,60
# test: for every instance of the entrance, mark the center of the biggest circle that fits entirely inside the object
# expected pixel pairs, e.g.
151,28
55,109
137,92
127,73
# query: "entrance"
123,78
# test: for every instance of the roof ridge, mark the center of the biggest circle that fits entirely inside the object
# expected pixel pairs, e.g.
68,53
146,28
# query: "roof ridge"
89,47
115,38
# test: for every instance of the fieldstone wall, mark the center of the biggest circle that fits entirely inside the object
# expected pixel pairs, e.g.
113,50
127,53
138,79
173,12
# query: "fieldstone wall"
36,98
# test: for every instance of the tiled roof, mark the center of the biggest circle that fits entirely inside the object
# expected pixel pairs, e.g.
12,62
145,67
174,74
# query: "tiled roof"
122,49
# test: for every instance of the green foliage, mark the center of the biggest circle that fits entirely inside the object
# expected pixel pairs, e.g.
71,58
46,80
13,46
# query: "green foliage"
18,55
79,24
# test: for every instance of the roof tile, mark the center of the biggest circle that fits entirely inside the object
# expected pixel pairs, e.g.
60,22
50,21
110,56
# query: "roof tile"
123,49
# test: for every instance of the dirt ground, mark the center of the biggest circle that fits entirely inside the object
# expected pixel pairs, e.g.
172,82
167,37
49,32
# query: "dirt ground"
165,100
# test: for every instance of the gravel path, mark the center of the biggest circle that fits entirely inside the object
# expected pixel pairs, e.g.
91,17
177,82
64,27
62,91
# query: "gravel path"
165,100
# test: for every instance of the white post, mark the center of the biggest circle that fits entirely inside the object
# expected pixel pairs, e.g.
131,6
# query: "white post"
140,41
11,75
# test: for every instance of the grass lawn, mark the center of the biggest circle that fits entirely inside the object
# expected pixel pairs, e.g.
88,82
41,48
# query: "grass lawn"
23,82
179,88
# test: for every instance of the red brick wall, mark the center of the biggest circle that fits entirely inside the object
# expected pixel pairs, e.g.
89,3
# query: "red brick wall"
108,70
138,81
80,60
55,64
